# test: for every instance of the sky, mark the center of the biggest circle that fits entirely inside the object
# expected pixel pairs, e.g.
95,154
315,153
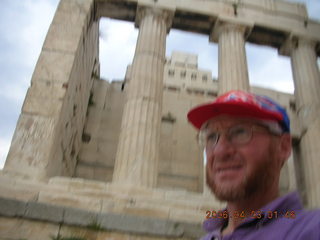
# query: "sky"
23,27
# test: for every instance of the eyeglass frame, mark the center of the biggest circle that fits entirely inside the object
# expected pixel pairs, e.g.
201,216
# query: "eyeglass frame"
270,127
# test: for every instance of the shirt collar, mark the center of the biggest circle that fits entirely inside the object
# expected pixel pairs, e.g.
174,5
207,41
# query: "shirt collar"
289,202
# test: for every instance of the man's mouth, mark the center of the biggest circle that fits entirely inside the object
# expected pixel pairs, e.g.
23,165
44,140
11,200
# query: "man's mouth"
229,171
229,168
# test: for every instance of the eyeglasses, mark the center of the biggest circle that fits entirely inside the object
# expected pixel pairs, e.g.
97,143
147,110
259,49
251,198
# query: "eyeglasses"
237,135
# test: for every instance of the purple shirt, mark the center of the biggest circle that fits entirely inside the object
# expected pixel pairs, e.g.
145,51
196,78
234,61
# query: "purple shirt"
283,218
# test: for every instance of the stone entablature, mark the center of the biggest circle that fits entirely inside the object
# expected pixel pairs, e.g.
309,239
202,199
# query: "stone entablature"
273,21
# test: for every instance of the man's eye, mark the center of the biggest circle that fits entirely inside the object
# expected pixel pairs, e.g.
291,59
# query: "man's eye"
212,137
238,131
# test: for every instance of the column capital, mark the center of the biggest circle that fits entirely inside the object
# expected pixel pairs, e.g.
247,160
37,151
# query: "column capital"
165,14
293,42
224,24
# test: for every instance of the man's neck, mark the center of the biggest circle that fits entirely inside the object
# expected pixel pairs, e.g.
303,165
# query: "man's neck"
239,210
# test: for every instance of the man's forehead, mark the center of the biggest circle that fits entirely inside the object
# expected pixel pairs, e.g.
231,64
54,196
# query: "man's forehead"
223,121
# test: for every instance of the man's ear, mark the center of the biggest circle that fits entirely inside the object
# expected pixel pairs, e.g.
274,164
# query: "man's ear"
285,147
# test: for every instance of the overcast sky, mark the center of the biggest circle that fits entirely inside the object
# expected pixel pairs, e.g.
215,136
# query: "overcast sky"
23,27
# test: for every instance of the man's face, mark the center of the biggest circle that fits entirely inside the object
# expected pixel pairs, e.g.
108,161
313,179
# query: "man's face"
236,171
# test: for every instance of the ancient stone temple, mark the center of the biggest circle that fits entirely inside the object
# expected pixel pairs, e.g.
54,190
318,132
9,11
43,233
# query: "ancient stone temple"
96,160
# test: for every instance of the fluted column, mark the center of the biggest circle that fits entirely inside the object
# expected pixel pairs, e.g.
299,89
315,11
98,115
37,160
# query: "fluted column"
138,147
233,68
307,92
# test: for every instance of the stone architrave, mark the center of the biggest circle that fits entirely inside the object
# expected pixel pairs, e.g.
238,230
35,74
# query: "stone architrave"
307,86
233,68
138,147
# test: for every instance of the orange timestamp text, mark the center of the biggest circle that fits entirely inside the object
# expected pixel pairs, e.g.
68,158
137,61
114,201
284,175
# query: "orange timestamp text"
251,214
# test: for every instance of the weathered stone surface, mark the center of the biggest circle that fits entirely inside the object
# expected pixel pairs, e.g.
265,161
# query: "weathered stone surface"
41,106
18,192
80,217
134,224
65,199
32,134
17,229
43,211
67,231
61,72
11,207
187,216
148,210
64,33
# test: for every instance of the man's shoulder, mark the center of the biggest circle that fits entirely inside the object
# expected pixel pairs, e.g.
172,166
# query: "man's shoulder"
310,214
309,217
305,225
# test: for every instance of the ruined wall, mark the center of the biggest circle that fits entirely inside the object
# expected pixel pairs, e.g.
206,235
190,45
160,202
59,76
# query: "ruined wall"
48,134
181,164
101,132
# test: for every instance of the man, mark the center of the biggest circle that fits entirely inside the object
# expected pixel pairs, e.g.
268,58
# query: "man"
247,141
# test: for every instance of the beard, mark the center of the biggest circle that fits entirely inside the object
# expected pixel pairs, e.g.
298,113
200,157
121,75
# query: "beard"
260,179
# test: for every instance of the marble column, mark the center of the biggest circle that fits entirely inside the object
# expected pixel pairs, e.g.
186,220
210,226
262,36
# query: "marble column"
233,68
138,147
306,78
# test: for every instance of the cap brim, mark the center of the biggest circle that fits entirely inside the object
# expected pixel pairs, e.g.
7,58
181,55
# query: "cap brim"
201,114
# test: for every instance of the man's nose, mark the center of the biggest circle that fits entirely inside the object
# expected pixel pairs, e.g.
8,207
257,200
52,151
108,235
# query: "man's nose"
223,147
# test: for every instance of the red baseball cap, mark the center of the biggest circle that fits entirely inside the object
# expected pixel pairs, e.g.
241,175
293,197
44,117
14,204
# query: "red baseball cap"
241,104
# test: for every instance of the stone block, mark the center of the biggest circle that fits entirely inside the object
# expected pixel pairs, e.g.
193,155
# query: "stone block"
48,89
137,225
71,200
135,191
18,191
31,146
73,216
93,193
108,148
59,181
43,211
73,232
184,195
53,66
103,173
65,32
115,205
41,106
11,207
187,215
90,144
75,7
125,236
147,211
7,178
40,186
84,171
178,182
194,231
108,205
211,203
13,228
88,156
80,184
155,208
